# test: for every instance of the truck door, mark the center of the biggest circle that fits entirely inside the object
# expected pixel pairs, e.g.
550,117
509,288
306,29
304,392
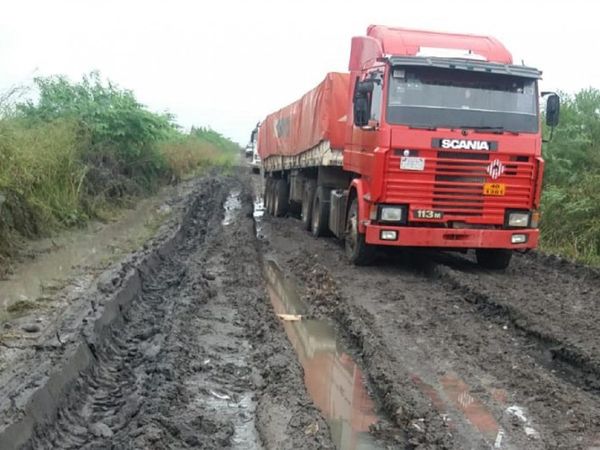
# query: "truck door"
365,139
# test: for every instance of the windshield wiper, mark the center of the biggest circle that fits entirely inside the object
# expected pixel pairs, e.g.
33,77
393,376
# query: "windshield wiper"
498,130
422,127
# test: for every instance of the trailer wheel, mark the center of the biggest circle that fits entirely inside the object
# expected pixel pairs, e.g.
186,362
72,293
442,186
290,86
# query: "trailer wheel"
320,212
307,201
495,259
267,195
280,198
357,250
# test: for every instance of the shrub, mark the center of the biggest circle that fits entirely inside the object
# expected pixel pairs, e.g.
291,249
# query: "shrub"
80,147
571,197
202,147
123,135
41,176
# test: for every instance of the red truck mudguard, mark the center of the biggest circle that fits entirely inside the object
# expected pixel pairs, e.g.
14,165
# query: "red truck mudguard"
359,187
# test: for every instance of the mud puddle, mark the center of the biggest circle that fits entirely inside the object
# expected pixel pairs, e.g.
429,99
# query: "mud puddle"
258,213
76,253
239,403
182,351
232,206
333,380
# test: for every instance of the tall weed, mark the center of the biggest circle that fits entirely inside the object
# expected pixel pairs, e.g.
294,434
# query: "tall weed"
571,198
81,147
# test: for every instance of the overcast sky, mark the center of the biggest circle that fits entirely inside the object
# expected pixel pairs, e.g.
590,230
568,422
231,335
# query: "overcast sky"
227,63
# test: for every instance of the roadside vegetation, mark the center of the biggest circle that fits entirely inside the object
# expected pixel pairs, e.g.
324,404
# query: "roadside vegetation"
571,199
82,148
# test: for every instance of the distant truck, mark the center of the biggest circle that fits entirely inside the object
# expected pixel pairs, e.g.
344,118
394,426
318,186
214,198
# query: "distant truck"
432,140
252,151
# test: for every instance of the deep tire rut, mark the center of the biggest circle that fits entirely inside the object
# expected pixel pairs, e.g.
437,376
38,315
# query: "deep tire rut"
460,357
197,359
126,399
566,360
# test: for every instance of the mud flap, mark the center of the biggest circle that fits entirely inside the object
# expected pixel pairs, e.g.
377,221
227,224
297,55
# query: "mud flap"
337,212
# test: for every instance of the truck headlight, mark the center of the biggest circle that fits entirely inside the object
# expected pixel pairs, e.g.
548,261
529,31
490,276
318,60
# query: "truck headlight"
518,219
388,235
518,238
391,213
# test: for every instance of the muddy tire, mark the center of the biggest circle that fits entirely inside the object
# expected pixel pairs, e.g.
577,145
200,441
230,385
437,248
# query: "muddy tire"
295,208
320,212
495,259
357,250
307,201
280,198
267,196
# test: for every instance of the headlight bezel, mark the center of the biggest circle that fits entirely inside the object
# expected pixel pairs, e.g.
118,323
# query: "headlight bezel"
510,213
403,209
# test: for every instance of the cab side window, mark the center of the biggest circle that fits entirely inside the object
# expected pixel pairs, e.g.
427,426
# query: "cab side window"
376,96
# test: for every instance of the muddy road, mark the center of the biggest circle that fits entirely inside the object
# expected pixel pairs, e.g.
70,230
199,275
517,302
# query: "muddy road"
176,349
232,329
456,356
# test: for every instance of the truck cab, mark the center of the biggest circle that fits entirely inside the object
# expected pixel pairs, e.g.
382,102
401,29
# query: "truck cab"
443,138
252,150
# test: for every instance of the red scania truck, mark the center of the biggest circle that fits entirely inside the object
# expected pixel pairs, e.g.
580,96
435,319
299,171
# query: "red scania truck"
432,140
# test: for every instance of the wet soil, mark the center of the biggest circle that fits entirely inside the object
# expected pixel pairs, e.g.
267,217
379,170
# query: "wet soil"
192,358
180,345
456,356
333,379
43,266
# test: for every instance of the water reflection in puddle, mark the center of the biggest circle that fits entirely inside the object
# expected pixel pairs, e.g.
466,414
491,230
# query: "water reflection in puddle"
454,395
259,212
80,252
232,205
458,393
334,382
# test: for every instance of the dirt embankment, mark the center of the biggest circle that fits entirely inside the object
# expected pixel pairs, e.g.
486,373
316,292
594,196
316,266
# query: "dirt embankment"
177,348
456,356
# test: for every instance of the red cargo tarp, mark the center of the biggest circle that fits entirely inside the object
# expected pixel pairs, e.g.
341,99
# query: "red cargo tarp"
319,115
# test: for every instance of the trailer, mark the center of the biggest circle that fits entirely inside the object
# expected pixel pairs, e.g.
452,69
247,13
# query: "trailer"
431,140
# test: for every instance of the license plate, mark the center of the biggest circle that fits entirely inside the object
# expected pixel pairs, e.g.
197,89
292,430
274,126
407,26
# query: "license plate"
427,214
494,189
412,163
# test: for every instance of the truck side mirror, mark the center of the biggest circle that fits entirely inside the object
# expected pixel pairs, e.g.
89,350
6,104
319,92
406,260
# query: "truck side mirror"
552,110
362,102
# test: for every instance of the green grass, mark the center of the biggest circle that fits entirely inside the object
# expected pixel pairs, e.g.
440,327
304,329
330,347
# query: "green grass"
570,223
21,307
187,155
83,148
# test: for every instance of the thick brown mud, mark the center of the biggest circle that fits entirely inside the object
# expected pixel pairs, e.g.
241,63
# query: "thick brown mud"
45,265
459,357
191,355
180,345
333,379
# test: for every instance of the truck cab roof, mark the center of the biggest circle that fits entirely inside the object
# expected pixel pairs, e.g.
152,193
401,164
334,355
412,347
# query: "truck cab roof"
382,41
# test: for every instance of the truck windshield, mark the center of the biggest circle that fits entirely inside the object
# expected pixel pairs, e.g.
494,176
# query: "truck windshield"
437,97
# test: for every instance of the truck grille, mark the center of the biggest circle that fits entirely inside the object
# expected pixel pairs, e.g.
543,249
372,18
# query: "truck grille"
453,182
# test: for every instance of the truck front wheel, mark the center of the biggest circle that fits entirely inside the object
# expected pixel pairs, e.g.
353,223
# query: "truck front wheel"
493,258
357,250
